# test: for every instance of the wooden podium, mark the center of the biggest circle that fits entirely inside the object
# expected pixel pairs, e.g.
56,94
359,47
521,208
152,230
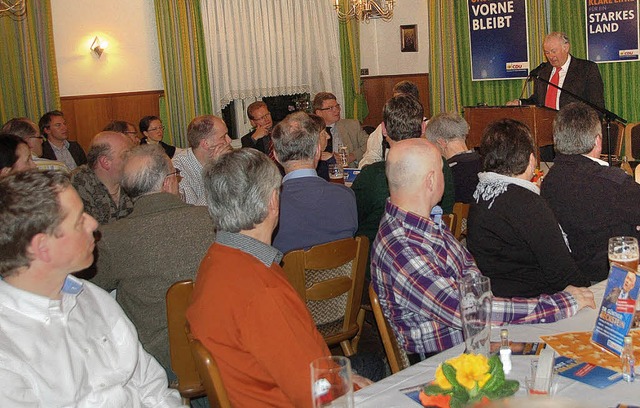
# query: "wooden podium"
539,120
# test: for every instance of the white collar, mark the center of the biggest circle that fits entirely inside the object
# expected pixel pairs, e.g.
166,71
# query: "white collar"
595,159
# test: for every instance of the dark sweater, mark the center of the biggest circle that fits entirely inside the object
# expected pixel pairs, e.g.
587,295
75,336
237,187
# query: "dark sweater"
465,167
592,203
519,245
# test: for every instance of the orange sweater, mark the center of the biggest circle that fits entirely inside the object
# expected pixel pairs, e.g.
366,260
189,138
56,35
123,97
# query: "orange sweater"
257,328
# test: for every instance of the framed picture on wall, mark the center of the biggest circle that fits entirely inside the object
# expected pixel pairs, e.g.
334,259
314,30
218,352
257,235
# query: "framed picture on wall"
409,38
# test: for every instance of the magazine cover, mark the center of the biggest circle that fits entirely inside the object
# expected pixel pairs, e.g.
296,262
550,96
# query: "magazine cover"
617,310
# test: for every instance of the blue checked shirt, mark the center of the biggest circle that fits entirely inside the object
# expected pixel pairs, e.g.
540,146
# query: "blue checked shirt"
415,264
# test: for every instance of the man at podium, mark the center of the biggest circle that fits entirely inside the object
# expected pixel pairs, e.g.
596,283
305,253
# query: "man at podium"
575,75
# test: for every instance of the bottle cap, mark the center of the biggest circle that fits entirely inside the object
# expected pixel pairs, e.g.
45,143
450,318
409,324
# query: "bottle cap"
627,340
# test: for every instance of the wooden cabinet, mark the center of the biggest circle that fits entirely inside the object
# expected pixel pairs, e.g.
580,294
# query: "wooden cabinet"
378,89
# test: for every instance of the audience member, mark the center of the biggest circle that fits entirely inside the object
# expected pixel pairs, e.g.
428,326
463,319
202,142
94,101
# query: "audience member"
326,158
377,146
208,139
98,182
416,262
243,309
15,155
161,242
512,233
591,200
28,131
57,146
448,131
152,130
126,128
65,342
347,132
312,210
260,136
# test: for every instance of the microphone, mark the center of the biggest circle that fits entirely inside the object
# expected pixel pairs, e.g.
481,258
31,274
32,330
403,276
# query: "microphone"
534,72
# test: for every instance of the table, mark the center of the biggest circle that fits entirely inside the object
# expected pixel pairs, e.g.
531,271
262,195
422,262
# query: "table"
388,392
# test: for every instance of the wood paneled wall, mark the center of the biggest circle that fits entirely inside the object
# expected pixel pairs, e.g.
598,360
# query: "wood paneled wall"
87,115
378,89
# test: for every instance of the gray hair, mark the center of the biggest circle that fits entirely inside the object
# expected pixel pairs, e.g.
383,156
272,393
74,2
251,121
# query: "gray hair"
563,37
21,127
447,126
296,137
29,205
149,175
575,129
238,188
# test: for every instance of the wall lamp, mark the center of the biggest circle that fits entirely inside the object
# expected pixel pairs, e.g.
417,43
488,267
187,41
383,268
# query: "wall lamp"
98,46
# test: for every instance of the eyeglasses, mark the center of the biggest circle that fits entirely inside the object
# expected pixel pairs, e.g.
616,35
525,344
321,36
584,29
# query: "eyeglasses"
263,117
154,129
331,108
175,173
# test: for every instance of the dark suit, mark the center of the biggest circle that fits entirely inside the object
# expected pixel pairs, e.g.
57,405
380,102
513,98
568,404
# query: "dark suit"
261,144
74,148
583,79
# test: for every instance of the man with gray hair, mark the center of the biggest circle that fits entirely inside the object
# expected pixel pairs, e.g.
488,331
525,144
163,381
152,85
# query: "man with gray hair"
448,131
591,200
313,211
208,139
161,242
98,181
243,309
65,342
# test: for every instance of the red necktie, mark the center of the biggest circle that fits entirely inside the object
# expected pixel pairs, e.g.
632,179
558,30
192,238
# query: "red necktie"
552,91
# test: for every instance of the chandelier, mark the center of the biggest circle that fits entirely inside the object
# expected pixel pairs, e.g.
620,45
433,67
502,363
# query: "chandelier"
364,10
15,7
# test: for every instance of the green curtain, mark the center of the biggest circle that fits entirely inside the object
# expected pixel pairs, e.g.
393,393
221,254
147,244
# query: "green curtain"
28,75
621,79
354,100
184,66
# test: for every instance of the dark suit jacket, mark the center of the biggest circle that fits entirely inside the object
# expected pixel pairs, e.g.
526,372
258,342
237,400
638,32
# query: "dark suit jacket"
261,144
74,148
583,79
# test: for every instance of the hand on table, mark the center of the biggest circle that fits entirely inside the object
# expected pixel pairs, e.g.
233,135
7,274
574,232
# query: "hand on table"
583,296
515,102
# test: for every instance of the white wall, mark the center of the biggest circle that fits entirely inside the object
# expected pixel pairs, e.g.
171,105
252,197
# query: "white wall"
380,41
131,61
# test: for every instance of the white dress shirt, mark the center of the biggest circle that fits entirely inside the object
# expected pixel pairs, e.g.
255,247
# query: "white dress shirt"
80,351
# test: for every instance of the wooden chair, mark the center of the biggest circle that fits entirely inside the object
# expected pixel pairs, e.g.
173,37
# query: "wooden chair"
330,279
461,212
617,135
450,221
182,364
396,356
208,372
632,141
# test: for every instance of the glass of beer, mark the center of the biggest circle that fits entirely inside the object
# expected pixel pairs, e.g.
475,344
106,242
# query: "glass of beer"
624,251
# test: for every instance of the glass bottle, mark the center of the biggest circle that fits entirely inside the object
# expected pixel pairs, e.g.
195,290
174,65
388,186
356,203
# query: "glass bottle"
628,360
505,351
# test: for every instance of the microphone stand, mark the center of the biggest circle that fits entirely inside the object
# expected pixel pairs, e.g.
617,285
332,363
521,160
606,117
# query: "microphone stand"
607,114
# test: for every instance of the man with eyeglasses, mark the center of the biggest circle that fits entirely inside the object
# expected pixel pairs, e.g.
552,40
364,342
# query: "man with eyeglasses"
25,129
260,136
57,146
98,182
347,132
161,242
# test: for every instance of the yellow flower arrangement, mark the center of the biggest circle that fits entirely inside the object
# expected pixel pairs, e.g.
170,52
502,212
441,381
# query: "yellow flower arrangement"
467,379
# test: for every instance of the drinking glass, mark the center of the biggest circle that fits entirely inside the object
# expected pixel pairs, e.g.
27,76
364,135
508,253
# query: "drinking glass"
336,174
624,251
343,150
475,311
331,383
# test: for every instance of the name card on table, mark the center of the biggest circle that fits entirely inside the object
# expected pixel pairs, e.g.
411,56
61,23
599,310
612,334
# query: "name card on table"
617,310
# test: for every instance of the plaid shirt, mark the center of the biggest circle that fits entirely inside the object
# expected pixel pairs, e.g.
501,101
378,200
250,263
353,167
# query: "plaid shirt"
192,185
415,264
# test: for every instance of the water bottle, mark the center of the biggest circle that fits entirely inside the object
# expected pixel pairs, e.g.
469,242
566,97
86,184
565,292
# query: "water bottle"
505,351
628,360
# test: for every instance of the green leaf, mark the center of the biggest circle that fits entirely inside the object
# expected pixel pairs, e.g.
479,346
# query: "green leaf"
432,389
497,375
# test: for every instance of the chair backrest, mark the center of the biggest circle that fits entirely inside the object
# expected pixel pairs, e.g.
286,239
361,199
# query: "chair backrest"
182,364
208,372
632,141
461,211
450,221
396,356
330,278
617,135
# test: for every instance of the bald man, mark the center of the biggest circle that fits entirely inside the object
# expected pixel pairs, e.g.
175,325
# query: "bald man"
98,181
416,262
208,139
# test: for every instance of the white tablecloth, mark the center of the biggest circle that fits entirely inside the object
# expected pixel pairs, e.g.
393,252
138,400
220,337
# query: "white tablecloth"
390,392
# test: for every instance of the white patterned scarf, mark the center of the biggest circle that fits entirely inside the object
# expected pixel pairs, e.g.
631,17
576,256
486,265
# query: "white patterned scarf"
491,185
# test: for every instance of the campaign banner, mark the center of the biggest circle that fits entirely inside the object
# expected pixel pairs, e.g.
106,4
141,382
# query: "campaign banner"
498,37
612,30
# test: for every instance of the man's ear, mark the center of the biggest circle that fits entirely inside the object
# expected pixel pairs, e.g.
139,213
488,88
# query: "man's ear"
104,162
38,247
274,202
384,130
424,127
429,180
